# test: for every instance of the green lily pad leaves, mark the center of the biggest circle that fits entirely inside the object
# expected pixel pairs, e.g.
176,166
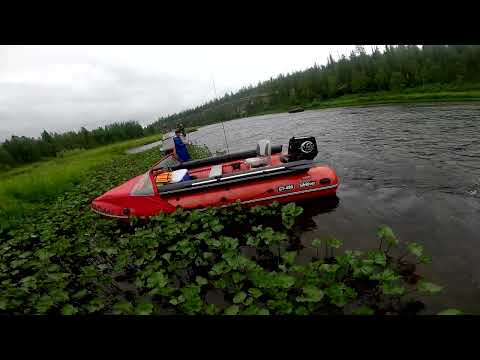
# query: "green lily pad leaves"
415,249
239,297
69,310
144,308
289,213
429,287
386,234
310,294
232,310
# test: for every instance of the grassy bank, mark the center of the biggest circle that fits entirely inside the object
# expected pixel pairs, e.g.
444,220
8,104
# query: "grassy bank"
386,98
23,188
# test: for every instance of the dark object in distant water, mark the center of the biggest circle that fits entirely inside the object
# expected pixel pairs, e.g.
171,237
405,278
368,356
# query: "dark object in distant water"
295,110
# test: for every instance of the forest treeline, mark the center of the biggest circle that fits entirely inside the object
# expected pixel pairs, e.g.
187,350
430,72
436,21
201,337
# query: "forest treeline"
19,150
396,68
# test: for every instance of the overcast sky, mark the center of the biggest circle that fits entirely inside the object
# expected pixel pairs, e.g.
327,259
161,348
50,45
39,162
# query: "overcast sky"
60,88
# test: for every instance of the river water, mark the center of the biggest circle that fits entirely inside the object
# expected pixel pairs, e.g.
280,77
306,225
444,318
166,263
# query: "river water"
415,168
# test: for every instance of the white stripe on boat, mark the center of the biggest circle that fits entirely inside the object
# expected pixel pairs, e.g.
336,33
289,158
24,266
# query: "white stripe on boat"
204,182
241,175
274,169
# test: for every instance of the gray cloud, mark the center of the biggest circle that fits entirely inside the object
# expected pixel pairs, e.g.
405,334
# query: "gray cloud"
61,88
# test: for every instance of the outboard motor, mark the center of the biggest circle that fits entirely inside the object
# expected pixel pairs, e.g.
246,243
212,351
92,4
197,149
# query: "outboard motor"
301,148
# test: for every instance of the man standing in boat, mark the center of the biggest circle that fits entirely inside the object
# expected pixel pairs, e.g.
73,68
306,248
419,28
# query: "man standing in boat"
180,149
182,129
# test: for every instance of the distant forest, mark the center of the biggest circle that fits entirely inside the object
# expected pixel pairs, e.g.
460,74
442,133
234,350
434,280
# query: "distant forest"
19,150
395,69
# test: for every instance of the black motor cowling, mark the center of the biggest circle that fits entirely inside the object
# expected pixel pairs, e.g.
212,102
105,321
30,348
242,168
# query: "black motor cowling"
302,148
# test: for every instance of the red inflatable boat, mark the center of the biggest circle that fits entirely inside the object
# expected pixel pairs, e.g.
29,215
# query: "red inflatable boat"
253,177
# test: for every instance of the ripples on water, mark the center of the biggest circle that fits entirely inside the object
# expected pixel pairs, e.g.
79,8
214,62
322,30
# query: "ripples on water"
415,168
436,147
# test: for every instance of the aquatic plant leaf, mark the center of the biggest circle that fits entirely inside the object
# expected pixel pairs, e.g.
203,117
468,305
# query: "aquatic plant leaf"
378,258
178,300
122,307
44,303
289,257
392,290
217,228
281,280
80,294
364,310
415,249
385,232
425,259
363,271
253,240
95,305
450,312
429,287
3,304
333,242
255,310
340,294
144,308
239,297
301,310
289,213
385,275
211,309
237,277
232,310
167,256
69,310
317,243
219,268
201,280
329,268
255,292
310,294
157,280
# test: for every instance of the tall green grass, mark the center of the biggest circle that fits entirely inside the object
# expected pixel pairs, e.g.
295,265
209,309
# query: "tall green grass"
22,189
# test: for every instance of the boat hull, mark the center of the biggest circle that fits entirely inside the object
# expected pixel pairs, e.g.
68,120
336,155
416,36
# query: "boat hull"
315,182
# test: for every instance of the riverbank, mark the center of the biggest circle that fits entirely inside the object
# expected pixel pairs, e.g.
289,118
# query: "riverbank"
23,188
418,96
385,98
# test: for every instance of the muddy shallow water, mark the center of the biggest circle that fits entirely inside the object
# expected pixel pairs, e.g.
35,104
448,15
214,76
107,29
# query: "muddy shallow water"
415,168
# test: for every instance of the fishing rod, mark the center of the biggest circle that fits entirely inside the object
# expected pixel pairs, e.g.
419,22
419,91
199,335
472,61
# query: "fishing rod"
223,126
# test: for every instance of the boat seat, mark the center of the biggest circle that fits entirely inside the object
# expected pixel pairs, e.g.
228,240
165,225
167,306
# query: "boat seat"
264,152
215,170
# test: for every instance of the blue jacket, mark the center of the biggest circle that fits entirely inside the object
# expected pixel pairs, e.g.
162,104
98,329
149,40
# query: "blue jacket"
181,149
